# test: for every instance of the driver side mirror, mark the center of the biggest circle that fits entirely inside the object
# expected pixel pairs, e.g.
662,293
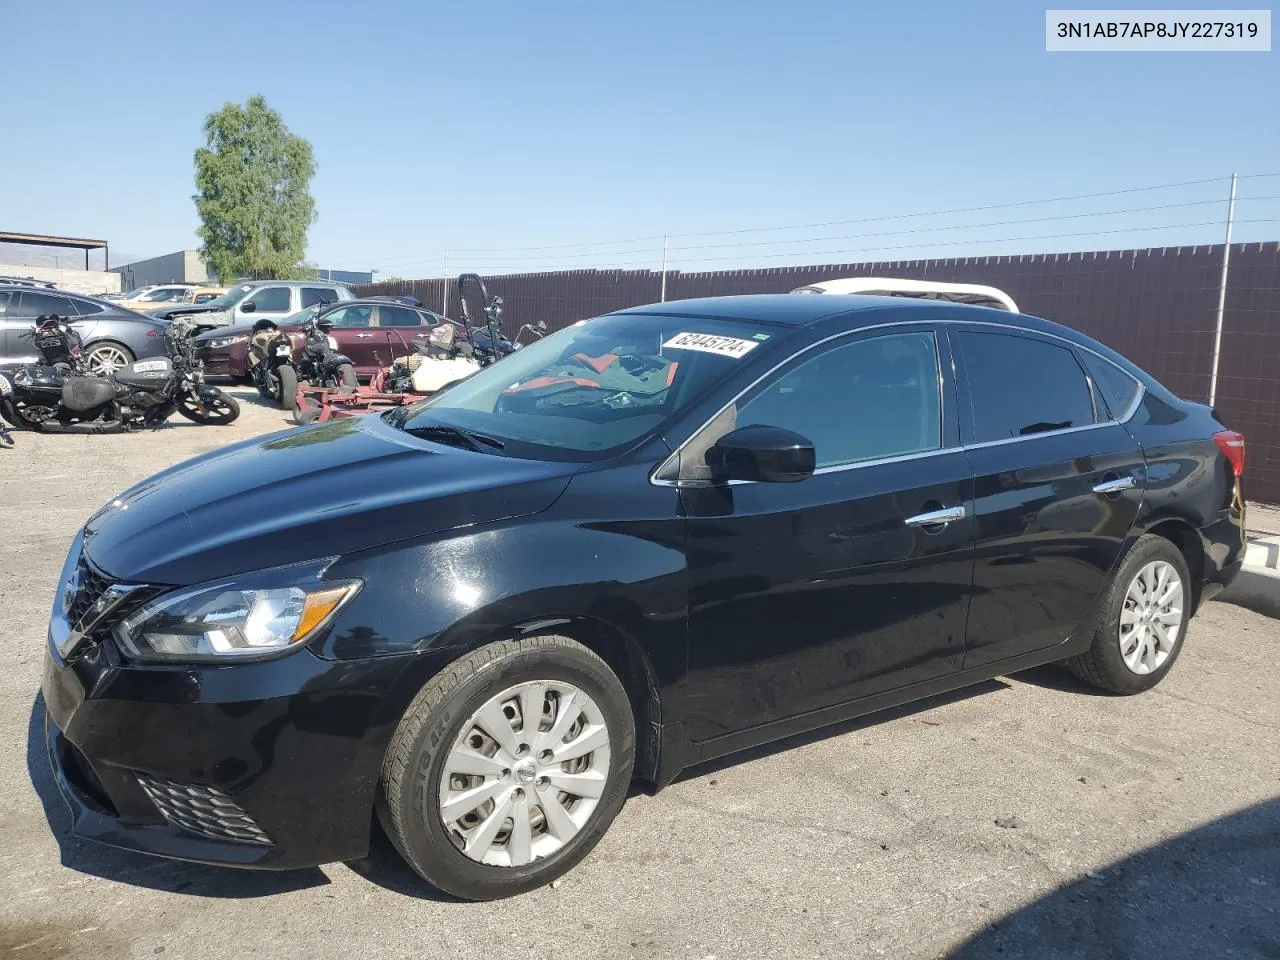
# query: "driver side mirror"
761,454
324,326
248,307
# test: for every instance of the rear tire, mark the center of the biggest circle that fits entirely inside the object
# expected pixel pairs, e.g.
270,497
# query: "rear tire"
1135,640
287,378
525,826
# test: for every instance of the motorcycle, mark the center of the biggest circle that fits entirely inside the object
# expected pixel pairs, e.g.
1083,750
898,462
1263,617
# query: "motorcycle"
276,372
446,359
60,397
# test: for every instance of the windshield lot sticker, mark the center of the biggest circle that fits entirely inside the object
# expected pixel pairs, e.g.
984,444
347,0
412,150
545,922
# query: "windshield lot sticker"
707,343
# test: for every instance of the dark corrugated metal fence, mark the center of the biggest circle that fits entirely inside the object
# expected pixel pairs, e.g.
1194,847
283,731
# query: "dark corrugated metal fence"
1156,306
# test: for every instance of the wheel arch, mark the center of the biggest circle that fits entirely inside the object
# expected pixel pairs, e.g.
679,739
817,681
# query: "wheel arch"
1183,534
622,654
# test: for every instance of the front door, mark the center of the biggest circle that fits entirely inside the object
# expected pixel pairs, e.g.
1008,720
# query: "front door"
805,596
1058,486
355,335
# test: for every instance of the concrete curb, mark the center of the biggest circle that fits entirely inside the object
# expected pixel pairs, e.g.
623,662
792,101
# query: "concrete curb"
1258,584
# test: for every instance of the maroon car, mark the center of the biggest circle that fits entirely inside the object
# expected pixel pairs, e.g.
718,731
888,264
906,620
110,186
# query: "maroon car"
370,332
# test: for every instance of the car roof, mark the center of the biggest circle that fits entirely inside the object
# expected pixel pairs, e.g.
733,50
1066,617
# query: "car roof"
795,311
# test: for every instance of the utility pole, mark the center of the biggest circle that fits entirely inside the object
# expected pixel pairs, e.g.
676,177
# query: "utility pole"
664,268
1222,294
444,290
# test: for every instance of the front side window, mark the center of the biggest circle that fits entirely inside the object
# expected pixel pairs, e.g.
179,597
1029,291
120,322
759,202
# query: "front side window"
1019,386
867,400
594,387
357,316
270,300
1117,387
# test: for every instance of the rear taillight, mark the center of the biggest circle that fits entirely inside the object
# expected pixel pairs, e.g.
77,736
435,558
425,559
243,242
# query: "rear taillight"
1231,444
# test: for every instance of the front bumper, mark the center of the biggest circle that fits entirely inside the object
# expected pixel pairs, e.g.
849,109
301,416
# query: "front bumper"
270,764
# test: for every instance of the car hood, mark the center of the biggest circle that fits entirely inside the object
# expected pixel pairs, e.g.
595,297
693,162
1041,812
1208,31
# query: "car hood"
303,494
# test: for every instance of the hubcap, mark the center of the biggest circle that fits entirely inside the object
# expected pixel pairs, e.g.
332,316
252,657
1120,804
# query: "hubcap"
525,773
106,360
1152,617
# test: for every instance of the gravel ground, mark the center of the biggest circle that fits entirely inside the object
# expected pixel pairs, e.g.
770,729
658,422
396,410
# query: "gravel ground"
1023,817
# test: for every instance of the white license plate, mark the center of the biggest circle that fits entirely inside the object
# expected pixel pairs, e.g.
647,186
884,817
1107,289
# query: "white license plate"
283,351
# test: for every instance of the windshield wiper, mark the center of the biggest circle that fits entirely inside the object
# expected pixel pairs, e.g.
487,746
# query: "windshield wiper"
444,434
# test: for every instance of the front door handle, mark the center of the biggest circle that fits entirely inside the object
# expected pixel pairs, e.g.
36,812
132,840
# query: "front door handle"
1118,485
936,518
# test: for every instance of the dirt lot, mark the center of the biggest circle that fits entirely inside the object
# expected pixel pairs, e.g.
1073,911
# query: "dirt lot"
1025,817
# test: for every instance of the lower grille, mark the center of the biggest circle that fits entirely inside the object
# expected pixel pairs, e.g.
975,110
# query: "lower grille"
205,811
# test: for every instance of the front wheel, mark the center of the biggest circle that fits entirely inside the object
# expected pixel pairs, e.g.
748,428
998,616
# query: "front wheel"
508,767
214,409
1142,622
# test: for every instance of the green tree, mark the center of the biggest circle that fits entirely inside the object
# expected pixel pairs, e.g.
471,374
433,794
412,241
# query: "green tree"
254,203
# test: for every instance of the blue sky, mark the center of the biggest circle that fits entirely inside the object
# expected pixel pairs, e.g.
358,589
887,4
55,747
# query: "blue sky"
489,129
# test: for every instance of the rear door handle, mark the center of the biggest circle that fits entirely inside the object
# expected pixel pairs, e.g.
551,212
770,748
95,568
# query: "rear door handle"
936,518
1117,485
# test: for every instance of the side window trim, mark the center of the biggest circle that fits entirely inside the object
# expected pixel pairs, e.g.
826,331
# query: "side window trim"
946,403
950,397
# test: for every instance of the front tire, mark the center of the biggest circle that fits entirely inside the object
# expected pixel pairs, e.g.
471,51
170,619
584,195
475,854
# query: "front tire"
508,767
219,410
1143,620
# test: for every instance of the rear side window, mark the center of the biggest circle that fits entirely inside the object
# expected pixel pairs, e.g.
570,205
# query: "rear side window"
87,308
389,316
39,304
1019,387
865,400
1117,387
313,295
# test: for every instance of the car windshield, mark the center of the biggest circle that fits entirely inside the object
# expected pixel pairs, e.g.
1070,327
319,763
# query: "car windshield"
592,388
230,298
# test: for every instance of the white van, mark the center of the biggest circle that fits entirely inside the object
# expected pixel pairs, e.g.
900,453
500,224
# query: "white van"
974,293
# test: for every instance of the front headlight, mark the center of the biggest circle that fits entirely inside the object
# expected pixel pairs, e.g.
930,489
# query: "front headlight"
217,343
249,617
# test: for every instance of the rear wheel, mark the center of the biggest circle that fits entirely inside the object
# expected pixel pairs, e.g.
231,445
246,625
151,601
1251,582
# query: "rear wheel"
106,357
508,767
287,387
1143,620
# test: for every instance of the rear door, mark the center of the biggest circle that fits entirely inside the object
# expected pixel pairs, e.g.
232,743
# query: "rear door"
1058,484
399,328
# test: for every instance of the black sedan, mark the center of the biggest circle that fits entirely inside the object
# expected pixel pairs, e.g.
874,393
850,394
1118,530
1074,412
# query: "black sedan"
646,541
113,336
